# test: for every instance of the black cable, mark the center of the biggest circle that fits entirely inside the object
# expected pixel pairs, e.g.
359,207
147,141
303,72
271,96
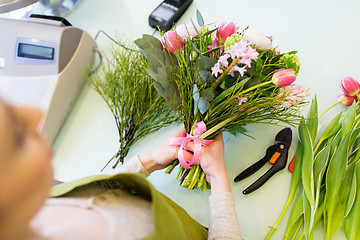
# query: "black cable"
117,42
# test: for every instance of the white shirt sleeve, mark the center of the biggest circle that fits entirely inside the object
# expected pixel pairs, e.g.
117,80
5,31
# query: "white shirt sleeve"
224,222
131,166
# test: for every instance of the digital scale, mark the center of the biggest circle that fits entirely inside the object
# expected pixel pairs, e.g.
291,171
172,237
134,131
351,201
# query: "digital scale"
43,62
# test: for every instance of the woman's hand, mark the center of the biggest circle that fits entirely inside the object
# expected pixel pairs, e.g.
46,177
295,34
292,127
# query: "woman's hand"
162,156
213,164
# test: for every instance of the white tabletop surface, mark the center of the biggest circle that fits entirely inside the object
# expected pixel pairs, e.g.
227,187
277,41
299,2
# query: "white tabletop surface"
327,36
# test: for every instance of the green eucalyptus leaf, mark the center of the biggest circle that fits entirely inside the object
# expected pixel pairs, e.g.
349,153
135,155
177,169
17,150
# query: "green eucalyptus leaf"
206,63
307,163
352,220
199,18
170,60
313,121
204,76
172,97
192,22
140,43
150,42
155,58
207,94
160,76
159,89
196,94
203,105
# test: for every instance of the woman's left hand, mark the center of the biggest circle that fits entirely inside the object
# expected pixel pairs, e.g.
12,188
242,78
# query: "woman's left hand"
162,156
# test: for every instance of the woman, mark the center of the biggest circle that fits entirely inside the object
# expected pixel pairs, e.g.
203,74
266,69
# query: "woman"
89,210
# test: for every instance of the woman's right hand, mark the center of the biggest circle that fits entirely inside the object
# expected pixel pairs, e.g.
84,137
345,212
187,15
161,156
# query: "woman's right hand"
213,164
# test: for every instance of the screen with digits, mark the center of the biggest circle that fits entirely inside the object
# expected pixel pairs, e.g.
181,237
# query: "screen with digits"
35,51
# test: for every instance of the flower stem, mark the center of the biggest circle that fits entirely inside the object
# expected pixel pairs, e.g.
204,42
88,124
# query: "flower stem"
223,75
329,108
217,127
256,86
273,229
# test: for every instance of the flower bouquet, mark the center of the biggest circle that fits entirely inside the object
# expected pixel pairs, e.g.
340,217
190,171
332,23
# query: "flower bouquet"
220,79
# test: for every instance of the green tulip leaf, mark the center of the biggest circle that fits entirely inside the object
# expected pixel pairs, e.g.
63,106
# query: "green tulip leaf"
335,142
352,193
335,173
297,170
349,120
307,163
332,128
352,220
313,121
336,220
320,165
295,214
308,220
354,135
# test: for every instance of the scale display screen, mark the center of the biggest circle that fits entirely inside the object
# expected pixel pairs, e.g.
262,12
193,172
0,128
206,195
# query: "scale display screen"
35,51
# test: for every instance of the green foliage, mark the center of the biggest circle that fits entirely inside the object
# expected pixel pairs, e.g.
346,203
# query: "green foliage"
329,190
227,102
126,87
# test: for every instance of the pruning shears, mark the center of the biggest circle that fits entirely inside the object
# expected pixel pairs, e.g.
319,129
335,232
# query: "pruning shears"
276,154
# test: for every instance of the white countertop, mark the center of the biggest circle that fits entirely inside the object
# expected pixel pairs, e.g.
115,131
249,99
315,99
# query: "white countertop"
327,36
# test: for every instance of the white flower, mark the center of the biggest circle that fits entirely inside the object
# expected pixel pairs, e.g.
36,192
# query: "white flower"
187,31
258,39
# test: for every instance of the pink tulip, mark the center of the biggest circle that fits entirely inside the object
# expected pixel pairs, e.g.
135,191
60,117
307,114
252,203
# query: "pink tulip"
350,86
225,30
173,42
283,78
346,100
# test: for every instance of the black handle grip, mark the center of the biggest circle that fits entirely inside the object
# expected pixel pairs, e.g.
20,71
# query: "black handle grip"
279,165
256,166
